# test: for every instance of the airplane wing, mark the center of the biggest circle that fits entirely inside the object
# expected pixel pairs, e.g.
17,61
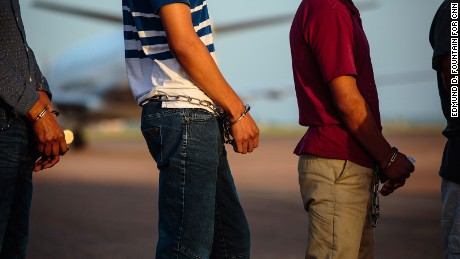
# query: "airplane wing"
62,8
224,28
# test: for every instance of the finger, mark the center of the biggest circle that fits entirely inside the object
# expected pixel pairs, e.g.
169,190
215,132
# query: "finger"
55,149
39,163
53,161
242,147
235,148
40,147
37,168
256,140
387,187
385,191
398,183
250,146
47,150
49,162
63,148
255,134
401,180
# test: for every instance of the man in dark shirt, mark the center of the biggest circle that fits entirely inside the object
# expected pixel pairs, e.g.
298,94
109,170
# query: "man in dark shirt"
337,99
30,136
440,39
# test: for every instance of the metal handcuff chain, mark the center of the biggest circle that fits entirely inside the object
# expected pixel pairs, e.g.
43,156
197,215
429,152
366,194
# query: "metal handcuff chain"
217,111
375,203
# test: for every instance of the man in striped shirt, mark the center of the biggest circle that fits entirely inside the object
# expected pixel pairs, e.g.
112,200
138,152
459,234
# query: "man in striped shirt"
170,61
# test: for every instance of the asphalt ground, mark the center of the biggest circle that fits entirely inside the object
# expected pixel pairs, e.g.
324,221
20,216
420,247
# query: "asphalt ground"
101,202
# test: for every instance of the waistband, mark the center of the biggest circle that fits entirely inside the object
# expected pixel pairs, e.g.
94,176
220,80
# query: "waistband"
183,101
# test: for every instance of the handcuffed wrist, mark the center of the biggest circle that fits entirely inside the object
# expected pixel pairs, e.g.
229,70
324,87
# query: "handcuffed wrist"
247,108
42,113
228,139
393,157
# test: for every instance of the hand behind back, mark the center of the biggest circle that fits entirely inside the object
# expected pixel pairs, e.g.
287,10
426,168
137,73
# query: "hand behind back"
245,135
396,174
50,141
48,134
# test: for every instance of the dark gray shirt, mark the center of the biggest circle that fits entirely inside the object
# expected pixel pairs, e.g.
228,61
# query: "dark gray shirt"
20,76
440,41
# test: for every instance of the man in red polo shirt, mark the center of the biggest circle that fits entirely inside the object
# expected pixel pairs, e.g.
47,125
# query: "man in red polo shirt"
338,101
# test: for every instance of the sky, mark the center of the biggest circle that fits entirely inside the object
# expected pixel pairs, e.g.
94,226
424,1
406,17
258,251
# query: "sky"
256,60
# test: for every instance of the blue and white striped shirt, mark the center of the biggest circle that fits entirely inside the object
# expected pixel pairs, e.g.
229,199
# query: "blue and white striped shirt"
150,64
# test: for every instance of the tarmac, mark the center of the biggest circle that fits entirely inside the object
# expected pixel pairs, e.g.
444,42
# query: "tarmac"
101,202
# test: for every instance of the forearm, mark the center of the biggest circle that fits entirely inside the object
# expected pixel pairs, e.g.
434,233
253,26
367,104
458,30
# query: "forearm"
361,125
197,62
358,118
195,58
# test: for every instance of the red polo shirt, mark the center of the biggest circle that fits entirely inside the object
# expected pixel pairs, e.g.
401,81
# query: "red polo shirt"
328,41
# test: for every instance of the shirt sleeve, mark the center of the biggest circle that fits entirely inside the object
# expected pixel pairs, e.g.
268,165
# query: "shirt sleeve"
15,93
157,4
15,90
441,36
41,84
331,37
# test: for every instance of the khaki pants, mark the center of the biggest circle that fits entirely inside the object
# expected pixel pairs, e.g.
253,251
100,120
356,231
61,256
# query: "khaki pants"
336,195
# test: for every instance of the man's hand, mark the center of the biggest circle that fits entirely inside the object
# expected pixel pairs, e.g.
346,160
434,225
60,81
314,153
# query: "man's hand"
49,135
245,135
390,186
396,174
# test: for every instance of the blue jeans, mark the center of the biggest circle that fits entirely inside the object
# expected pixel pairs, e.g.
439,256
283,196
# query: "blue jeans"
200,215
17,158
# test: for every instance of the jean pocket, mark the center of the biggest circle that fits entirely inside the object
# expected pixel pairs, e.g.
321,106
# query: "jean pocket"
153,137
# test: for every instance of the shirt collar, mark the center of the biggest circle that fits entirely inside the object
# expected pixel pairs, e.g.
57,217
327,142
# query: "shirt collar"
350,5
